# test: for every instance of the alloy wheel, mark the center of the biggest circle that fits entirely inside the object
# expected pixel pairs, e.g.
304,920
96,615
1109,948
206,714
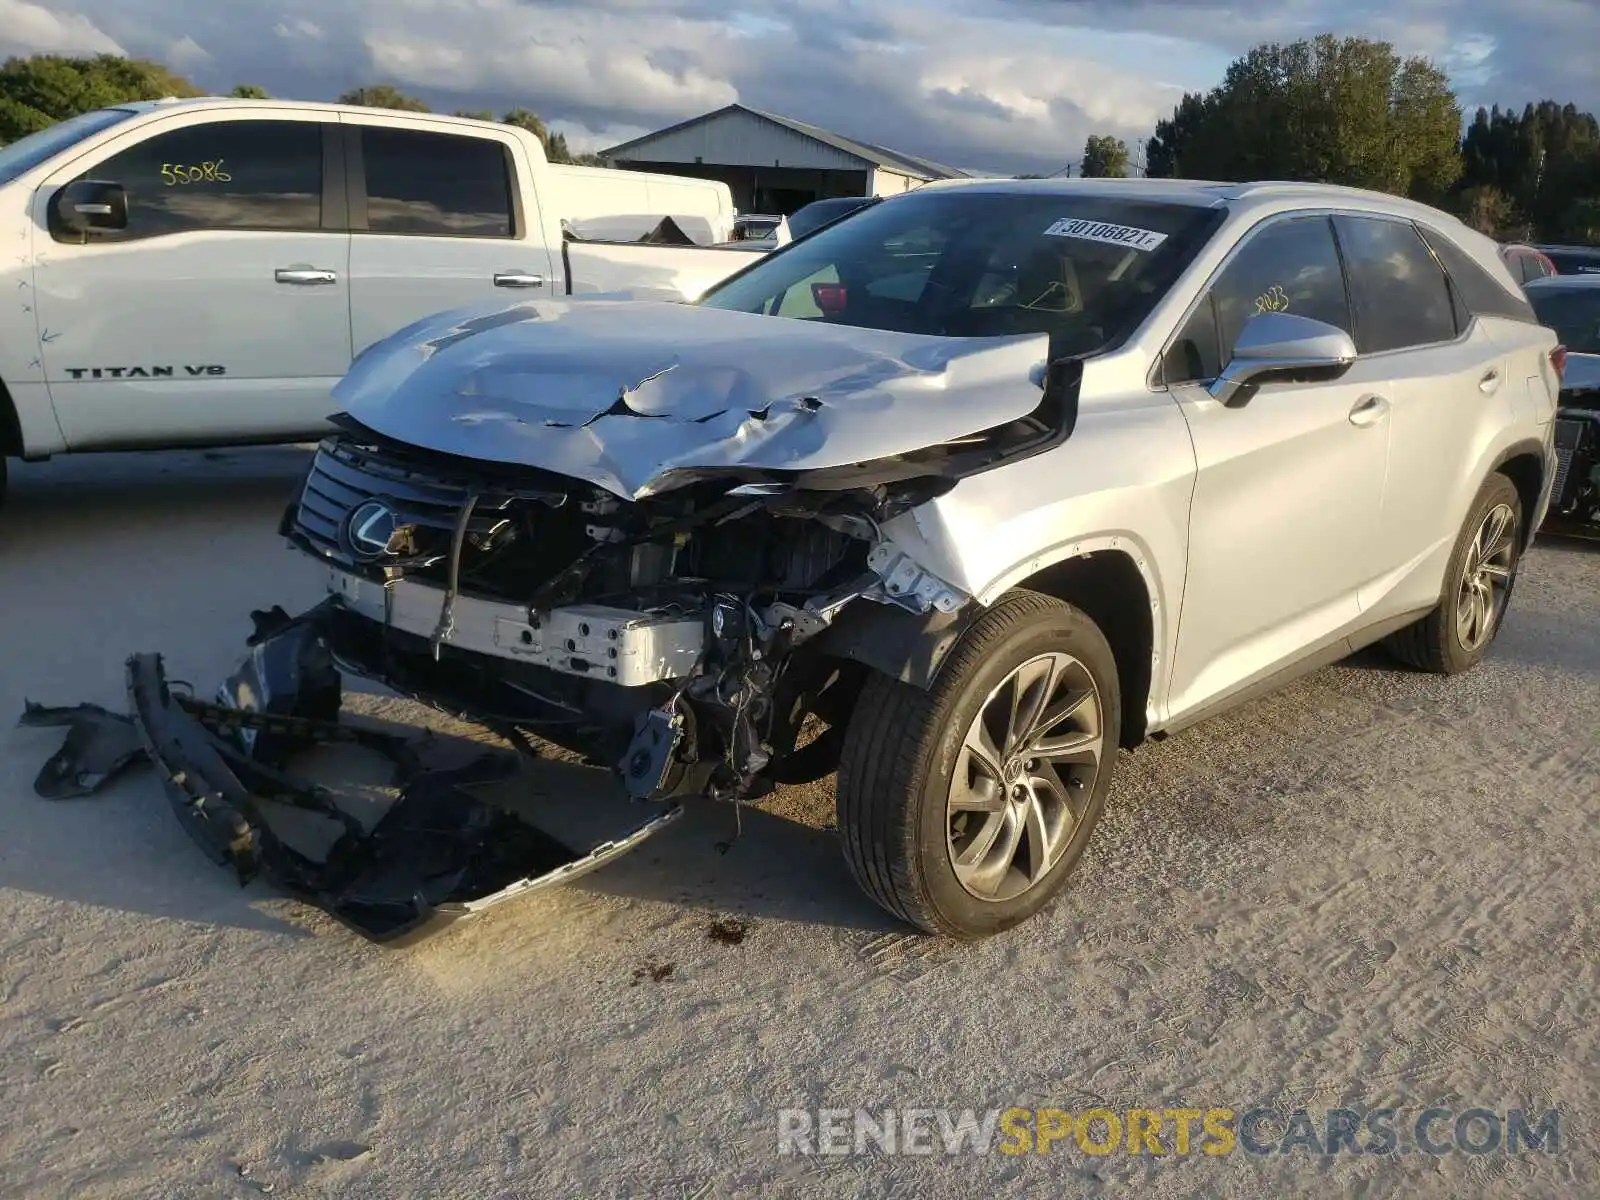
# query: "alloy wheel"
1024,776
1486,578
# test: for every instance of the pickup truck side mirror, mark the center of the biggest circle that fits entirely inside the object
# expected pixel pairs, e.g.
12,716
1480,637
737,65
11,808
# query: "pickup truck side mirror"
1276,347
86,205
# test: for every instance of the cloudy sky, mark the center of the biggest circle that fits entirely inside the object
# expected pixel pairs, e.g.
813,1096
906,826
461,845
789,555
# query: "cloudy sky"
1001,85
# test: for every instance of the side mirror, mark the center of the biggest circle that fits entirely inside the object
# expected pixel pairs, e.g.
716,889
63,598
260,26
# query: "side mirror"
86,205
1280,347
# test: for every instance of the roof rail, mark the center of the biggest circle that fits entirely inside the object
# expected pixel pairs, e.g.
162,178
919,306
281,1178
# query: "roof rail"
1275,187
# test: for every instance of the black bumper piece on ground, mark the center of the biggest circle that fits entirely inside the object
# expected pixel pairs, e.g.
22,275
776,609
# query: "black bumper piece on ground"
436,856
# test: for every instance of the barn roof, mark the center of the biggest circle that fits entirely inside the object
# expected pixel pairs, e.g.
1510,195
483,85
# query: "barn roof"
873,155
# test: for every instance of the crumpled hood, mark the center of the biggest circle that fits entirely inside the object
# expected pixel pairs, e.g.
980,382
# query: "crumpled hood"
621,392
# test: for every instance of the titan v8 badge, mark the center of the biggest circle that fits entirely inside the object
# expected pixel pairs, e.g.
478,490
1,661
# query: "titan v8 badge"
142,372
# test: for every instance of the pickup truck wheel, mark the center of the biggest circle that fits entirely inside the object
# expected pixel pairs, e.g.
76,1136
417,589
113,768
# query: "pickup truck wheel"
1456,635
963,808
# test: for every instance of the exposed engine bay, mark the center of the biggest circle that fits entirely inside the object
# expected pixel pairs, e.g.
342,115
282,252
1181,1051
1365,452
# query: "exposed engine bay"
663,637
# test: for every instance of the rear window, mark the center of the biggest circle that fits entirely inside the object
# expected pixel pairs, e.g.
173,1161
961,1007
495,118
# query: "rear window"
819,212
1575,262
1476,289
425,183
1573,312
1083,269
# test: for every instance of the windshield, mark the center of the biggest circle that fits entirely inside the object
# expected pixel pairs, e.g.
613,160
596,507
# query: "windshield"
1573,312
29,152
1083,268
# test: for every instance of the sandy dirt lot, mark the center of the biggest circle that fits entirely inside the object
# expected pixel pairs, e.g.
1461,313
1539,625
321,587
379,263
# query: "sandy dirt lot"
1373,889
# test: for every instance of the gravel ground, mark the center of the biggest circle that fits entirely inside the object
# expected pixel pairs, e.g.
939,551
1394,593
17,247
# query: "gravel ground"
1372,889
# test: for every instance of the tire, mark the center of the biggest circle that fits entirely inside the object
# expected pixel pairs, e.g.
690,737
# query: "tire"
1438,643
2,481
898,773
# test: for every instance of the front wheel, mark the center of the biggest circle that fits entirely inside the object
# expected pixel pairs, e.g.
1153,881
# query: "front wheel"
964,808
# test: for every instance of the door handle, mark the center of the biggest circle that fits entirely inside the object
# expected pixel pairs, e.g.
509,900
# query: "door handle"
518,279
1490,383
305,275
1369,410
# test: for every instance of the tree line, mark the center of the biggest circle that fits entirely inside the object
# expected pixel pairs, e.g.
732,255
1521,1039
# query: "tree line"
1353,111
38,91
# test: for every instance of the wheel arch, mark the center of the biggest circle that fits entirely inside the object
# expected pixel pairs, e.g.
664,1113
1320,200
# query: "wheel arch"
1112,588
1524,463
11,444
1110,583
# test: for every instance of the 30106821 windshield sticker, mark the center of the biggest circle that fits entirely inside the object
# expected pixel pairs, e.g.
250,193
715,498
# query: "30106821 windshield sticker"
1106,233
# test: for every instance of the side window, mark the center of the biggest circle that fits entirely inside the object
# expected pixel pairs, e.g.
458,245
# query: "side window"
1289,266
1479,291
1402,295
264,175
438,184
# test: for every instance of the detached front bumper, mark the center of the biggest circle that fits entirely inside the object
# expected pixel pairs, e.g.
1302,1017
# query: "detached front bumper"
436,856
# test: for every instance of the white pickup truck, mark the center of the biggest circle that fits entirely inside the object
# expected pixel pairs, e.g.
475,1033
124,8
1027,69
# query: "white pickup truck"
202,272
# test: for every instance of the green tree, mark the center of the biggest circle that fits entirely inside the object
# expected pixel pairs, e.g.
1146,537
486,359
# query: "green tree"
555,144
481,114
1335,110
1105,157
1177,140
36,92
1488,210
250,91
383,95
1545,161
1581,222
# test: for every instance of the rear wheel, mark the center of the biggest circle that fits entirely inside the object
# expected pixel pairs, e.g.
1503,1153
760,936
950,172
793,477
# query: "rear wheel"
964,808
1456,635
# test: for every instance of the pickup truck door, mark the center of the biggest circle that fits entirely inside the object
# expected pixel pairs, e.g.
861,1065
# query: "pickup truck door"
221,312
439,219
1288,487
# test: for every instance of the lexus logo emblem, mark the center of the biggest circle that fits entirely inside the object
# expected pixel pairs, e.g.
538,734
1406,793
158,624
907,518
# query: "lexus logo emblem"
371,529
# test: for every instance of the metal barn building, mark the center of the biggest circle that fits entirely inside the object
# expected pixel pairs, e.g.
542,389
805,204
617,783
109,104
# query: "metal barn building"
774,164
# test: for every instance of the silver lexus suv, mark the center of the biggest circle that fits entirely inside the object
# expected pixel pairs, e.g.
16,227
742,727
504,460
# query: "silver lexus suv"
957,496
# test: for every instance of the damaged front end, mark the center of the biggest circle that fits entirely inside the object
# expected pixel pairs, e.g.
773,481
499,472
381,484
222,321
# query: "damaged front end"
684,591
678,639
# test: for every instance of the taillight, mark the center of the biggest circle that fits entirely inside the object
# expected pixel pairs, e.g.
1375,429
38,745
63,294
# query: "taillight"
1558,360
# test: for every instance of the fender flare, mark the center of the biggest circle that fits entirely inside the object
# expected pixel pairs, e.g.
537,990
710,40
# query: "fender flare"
911,647
1542,452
